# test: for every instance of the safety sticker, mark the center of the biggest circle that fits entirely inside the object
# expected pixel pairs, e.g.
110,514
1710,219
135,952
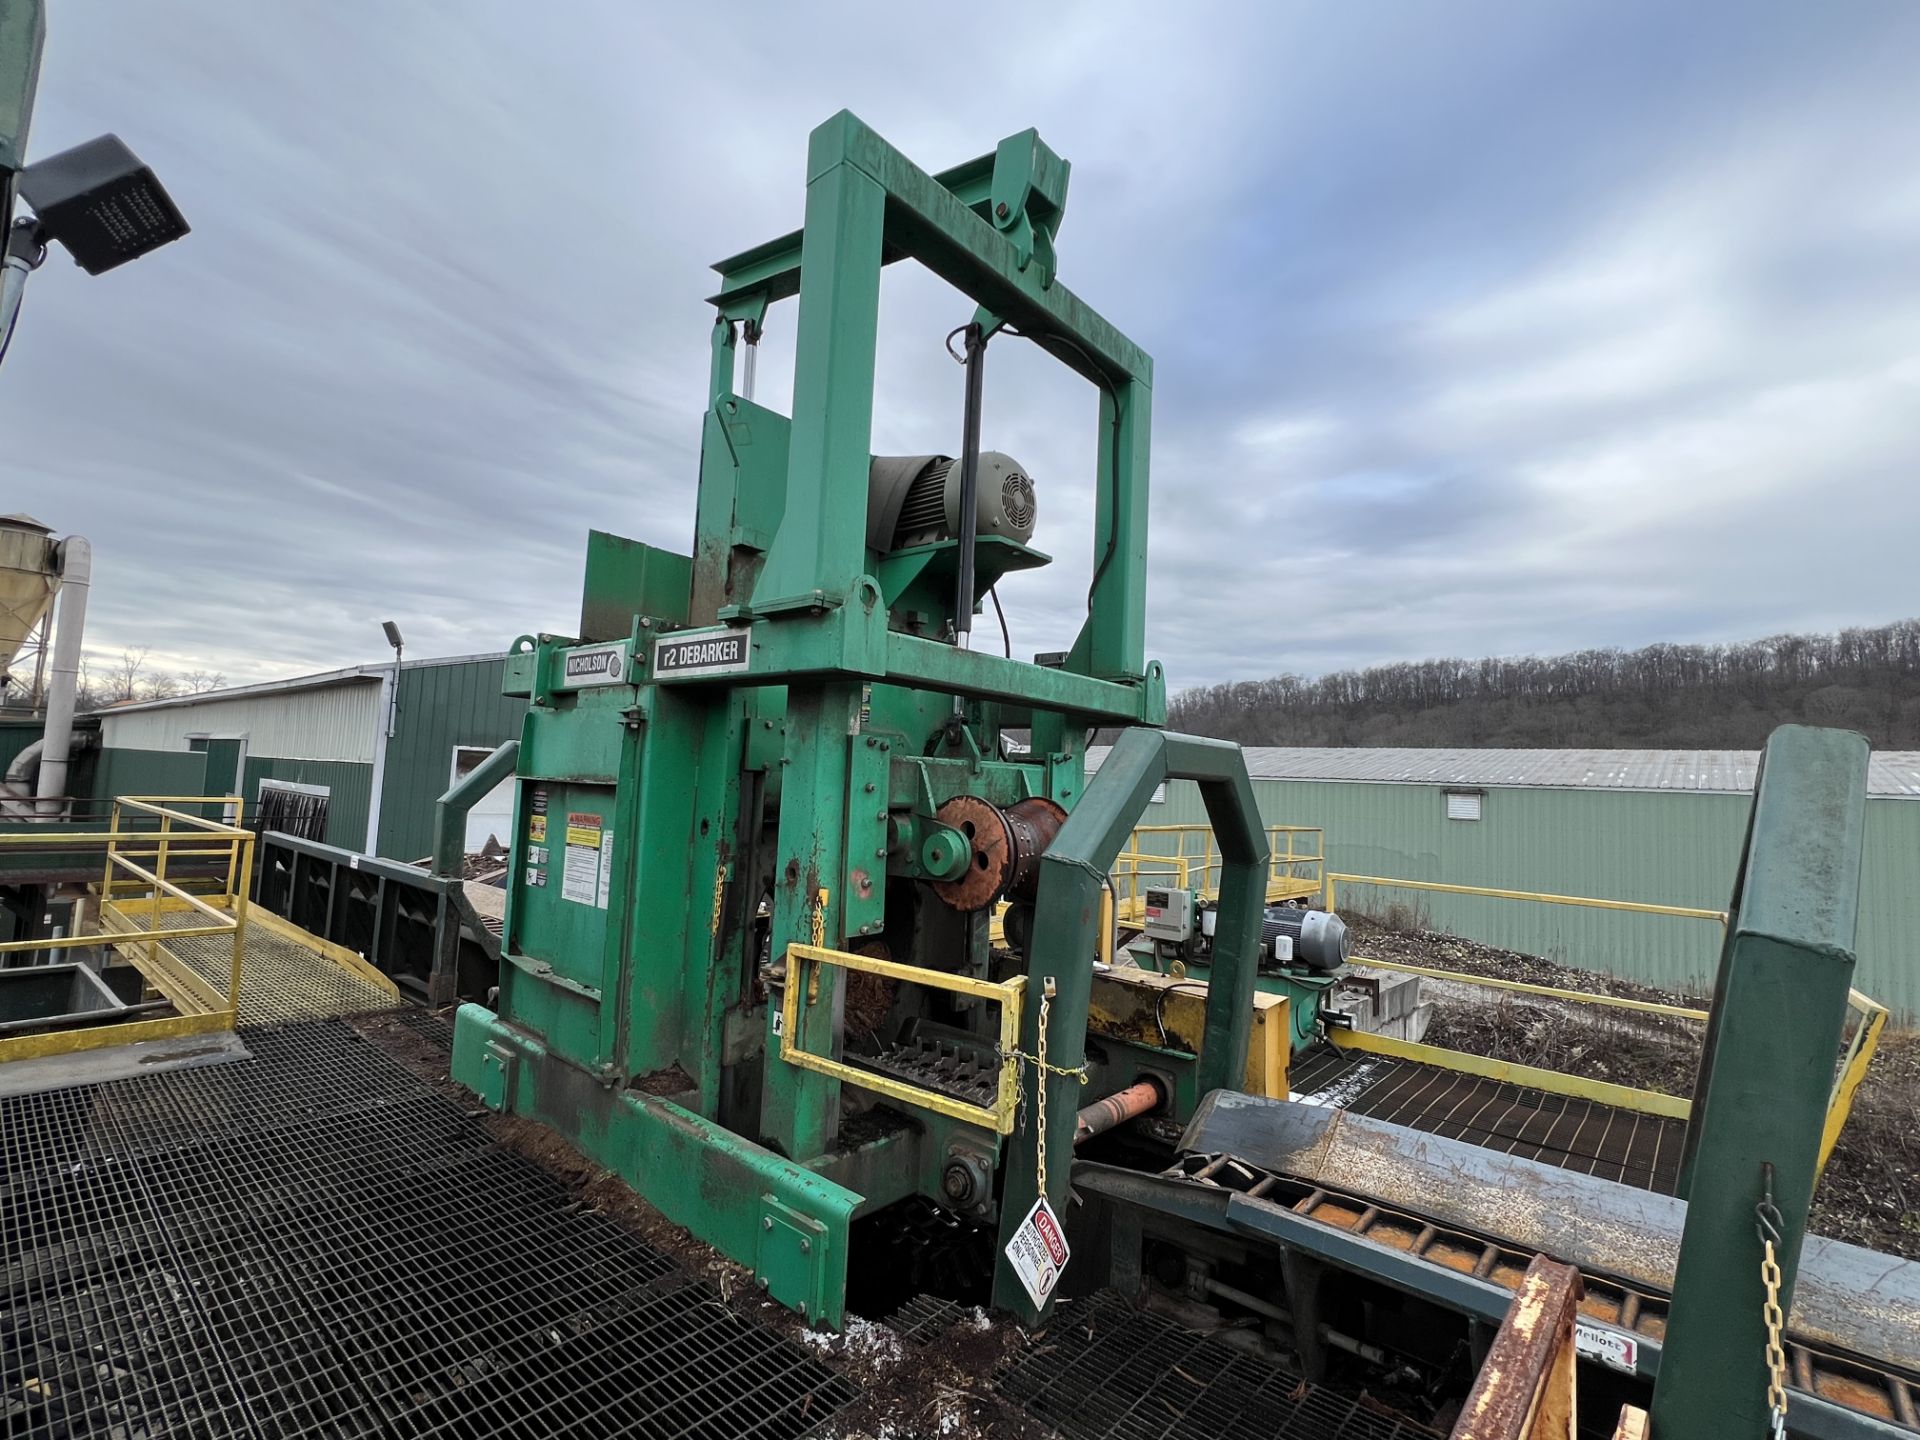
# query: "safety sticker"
1038,1251
536,854
606,871
1611,1348
580,866
537,830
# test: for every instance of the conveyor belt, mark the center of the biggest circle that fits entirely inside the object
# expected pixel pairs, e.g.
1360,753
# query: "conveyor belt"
316,1242
1594,1139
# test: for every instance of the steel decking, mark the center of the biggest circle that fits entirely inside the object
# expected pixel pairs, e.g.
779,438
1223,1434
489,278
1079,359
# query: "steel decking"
1594,1139
316,1242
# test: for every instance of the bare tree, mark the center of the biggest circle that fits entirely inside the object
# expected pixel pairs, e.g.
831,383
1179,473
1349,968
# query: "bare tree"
1684,696
200,682
122,680
160,685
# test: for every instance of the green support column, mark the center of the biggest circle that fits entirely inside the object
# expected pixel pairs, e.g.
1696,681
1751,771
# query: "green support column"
1065,931
822,545
1113,642
800,1109
1779,1009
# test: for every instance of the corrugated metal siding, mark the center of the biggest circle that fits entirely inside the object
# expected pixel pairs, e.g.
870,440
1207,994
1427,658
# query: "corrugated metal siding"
441,707
1672,847
15,736
333,722
147,772
350,786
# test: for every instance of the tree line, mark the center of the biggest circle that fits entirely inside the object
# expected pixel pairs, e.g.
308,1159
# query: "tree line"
1709,697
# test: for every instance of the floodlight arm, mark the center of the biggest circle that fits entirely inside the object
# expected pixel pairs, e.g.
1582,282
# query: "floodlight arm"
24,251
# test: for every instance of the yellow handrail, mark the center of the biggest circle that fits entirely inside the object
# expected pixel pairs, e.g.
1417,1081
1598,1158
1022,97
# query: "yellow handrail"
136,925
1008,994
1683,912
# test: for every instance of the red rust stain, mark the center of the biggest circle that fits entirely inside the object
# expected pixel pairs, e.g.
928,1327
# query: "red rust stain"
1454,1257
1854,1394
863,883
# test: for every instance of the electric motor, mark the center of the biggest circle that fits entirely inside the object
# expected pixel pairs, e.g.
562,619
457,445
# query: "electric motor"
915,500
1319,939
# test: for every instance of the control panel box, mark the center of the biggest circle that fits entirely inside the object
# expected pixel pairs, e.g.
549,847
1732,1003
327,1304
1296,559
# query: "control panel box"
1169,914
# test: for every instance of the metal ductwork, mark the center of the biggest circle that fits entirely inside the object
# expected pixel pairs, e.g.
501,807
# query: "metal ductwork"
915,500
63,675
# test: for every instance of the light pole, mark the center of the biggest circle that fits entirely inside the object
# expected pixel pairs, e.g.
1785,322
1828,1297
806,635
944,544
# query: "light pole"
393,691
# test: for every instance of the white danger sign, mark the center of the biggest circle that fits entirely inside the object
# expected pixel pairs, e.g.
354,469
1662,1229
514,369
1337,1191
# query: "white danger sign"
1611,1348
1038,1251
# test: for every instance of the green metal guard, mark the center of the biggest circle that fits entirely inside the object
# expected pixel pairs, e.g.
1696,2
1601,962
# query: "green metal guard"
1066,930
1760,1105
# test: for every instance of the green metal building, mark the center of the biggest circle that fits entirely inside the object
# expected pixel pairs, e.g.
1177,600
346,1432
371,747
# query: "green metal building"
372,747
1663,826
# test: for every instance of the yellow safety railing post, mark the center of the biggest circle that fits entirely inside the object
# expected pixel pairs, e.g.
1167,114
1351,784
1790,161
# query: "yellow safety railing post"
1008,994
160,880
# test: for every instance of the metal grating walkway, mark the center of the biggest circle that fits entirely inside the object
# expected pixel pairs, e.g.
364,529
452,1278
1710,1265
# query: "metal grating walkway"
317,1243
1602,1140
1107,1369
280,978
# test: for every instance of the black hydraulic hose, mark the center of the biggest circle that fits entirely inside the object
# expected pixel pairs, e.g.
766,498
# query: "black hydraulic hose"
976,347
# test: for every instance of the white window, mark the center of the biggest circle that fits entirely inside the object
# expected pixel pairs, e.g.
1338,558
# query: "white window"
1159,796
1463,804
492,813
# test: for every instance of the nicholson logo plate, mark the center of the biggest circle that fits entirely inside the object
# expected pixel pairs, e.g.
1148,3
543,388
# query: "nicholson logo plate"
701,652
598,665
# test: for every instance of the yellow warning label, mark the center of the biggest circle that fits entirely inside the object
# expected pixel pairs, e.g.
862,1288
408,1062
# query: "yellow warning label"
583,828
537,829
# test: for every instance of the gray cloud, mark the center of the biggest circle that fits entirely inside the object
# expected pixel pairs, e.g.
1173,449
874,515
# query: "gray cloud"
1491,328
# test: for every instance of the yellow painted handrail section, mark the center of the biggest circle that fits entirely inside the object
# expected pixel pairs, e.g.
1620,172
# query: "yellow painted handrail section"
133,899
800,991
1590,902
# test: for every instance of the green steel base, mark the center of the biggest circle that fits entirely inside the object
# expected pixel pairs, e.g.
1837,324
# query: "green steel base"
786,1223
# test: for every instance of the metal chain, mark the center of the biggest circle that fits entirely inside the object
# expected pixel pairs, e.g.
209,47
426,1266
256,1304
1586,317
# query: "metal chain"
1043,1068
1768,1216
1040,1109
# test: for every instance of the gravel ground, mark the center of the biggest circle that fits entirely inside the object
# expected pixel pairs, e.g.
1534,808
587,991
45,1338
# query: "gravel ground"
1870,1194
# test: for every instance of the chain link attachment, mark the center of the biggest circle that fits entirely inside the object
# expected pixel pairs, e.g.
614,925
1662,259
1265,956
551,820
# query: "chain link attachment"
1043,1068
1769,1225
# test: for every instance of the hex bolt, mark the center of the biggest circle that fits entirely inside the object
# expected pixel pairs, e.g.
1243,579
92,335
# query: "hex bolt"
870,791
806,1246
766,1222
1001,210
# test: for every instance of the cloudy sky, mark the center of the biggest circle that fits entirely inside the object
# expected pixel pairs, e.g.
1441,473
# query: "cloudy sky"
1479,327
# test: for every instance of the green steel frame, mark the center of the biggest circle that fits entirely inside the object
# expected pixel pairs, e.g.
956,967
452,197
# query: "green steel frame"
638,1020
1766,1071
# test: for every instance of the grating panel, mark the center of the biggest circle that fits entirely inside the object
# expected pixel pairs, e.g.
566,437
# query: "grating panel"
1602,1140
280,979
1108,1369
924,1319
318,1243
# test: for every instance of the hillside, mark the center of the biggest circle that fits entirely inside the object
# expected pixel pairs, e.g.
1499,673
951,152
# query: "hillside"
1705,697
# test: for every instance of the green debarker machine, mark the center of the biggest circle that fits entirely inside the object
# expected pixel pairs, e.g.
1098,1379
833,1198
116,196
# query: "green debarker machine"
770,799
808,893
